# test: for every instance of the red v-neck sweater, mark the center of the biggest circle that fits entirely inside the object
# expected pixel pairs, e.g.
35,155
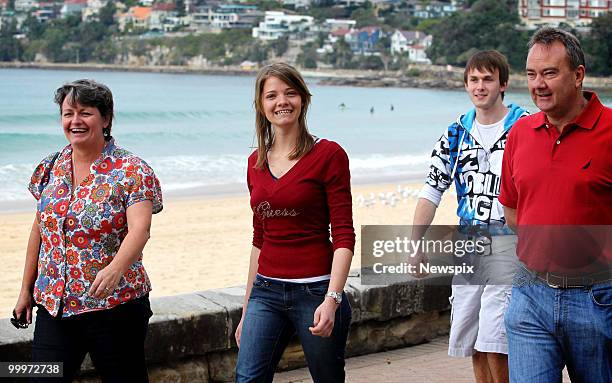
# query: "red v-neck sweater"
292,215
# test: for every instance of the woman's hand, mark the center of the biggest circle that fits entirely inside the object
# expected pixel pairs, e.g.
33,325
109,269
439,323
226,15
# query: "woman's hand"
106,282
238,332
23,308
139,222
324,318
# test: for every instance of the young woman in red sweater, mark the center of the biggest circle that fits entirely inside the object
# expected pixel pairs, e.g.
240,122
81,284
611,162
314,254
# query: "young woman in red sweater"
300,187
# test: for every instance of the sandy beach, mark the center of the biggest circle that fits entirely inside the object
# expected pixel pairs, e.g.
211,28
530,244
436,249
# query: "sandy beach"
204,242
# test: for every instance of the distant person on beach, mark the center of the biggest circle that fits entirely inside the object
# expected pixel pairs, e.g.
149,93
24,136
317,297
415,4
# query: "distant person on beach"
83,268
372,110
392,108
557,173
300,186
469,153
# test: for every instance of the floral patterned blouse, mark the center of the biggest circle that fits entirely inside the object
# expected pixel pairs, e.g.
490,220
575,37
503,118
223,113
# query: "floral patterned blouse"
82,227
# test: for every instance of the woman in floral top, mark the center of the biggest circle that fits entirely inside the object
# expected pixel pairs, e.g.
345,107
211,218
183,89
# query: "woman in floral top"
84,267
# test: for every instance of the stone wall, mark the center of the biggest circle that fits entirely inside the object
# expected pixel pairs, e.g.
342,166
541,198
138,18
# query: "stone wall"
191,336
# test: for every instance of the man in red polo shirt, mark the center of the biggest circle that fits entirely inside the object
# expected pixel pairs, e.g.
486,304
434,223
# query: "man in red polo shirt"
557,191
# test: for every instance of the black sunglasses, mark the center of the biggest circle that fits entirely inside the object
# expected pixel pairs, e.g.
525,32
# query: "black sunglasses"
17,322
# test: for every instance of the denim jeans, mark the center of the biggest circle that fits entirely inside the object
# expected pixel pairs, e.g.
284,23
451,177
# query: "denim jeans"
275,312
549,328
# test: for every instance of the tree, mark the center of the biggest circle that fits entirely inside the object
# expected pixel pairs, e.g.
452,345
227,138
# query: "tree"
107,14
342,56
457,34
370,62
33,28
383,47
309,56
280,45
10,48
598,46
364,17
257,53
180,7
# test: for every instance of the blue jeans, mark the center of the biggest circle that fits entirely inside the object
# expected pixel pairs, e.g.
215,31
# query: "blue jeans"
549,328
275,312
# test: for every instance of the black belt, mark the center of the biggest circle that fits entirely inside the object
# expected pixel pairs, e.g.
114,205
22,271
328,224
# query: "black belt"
560,281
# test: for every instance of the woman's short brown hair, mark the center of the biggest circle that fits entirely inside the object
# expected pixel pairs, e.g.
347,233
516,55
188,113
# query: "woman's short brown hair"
89,93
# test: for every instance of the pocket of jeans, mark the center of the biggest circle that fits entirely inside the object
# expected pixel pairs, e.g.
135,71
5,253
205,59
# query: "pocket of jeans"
602,295
318,290
258,283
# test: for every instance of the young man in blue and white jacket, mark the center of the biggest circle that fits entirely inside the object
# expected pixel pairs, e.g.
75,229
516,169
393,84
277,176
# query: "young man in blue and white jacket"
470,153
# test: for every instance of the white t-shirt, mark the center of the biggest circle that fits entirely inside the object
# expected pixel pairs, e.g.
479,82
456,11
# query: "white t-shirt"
487,135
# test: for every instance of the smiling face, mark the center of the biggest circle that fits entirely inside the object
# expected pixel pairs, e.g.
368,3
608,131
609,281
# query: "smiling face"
83,125
281,103
553,85
484,88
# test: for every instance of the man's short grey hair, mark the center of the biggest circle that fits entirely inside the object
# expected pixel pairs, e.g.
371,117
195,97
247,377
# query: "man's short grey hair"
549,35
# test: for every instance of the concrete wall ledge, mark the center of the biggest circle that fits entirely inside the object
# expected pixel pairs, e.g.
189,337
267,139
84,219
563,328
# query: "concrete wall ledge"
191,336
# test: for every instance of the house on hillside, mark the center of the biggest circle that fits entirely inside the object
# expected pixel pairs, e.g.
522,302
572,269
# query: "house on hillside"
25,5
92,9
136,17
414,43
163,17
297,4
277,24
363,41
73,7
235,16
433,9
46,10
577,13
332,25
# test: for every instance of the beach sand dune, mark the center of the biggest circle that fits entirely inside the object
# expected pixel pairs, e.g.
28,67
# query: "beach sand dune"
199,243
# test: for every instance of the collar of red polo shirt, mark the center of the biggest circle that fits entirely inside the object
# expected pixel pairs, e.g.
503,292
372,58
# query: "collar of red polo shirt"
585,120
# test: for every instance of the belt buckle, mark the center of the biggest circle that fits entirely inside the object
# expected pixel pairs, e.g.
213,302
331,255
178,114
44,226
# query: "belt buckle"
554,285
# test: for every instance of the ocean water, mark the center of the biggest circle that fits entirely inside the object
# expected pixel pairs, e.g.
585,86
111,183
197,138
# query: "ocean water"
197,131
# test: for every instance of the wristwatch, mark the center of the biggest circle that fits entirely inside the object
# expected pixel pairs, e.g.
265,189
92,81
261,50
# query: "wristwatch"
337,297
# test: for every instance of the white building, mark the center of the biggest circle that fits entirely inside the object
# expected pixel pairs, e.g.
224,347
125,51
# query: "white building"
415,43
332,25
434,9
277,24
576,13
25,5
93,8
297,4
234,16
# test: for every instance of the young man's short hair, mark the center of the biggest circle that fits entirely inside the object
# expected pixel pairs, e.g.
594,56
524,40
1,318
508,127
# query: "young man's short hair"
488,60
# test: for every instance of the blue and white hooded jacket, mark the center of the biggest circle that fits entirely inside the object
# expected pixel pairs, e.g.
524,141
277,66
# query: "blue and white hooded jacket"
476,171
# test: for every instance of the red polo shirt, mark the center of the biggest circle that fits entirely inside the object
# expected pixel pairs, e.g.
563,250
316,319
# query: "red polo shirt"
554,178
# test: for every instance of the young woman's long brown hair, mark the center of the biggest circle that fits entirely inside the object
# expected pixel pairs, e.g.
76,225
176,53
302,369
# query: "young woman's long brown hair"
263,127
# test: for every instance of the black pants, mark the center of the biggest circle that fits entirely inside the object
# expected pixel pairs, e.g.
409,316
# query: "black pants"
114,339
